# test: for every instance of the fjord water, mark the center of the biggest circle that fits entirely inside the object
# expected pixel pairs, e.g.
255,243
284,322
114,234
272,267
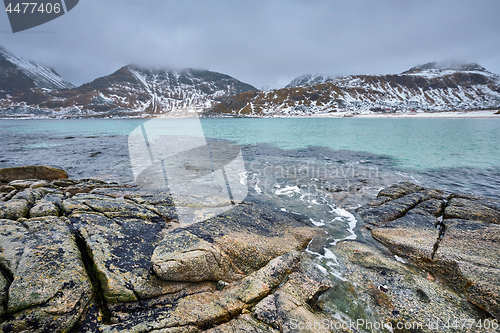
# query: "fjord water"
455,154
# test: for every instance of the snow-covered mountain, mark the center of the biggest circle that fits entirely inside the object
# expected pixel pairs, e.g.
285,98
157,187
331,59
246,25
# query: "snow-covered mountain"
309,79
19,74
130,91
30,89
426,87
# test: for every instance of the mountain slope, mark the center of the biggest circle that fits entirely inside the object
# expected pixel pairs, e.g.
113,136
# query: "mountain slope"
131,91
156,91
425,87
18,74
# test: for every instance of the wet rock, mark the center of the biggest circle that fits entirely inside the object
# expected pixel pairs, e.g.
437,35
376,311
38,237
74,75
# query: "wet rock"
182,256
411,298
242,324
467,258
460,247
50,288
289,308
393,209
31,172
432,206
414,235
399,190
93,269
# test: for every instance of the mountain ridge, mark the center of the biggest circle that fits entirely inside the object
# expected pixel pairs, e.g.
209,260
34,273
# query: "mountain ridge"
129,91
20,74
28,89
422,88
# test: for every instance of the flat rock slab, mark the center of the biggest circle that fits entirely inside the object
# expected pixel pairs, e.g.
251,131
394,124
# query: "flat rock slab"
31,172
49,288
461,246
229,246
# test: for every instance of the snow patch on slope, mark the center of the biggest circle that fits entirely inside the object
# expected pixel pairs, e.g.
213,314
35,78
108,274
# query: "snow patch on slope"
43,76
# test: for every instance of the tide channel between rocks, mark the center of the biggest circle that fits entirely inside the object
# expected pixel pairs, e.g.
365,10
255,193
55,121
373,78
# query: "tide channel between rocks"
91,256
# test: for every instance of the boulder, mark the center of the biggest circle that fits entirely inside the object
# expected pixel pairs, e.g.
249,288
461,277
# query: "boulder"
229,246
31,172
14,209
235,307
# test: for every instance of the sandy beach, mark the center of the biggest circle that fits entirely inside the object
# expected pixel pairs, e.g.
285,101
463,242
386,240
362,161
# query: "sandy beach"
441,114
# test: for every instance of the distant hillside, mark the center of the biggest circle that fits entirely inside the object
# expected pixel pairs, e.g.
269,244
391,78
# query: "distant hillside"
426,87
130,91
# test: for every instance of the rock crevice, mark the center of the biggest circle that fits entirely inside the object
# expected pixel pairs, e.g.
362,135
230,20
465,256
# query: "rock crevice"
462,250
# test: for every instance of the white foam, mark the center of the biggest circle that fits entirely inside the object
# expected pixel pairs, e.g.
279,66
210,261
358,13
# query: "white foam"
351,222
289,190
243,178
316,223
322,269
399,259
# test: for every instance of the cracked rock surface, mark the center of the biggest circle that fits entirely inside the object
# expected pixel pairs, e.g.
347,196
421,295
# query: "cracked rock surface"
90,256
456,237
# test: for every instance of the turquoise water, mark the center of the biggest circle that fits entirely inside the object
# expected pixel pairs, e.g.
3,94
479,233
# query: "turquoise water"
413,143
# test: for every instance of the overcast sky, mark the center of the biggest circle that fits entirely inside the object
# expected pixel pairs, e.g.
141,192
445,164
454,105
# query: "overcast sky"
263,43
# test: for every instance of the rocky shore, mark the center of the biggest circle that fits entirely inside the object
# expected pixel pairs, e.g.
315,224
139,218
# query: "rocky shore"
91,256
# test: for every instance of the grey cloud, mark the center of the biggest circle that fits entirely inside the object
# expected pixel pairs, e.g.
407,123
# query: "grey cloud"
264,43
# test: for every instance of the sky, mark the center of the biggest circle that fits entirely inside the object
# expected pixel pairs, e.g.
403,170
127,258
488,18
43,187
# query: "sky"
263,43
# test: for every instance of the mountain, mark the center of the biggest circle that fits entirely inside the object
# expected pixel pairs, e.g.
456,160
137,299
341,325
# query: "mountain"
130,91
135,90
428,87
21,75
309,79
29,89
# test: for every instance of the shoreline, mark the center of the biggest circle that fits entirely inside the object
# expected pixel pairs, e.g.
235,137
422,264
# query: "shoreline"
481,114
440,114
